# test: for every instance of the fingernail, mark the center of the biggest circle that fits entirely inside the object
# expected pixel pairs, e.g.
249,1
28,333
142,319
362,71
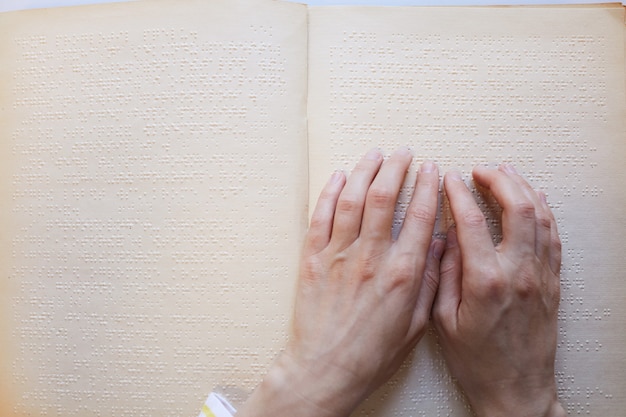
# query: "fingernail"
510,169
427,167
455,176
438,247
404,150
373,155
336,177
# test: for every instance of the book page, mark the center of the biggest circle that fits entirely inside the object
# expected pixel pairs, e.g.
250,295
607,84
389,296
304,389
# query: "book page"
153,194
542,88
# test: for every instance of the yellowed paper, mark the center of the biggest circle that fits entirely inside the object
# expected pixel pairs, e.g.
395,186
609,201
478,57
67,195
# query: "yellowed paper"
152,202
153,185
542,88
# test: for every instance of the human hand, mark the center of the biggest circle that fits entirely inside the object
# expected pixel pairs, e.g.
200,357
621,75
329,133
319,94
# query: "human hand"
496,308
363,300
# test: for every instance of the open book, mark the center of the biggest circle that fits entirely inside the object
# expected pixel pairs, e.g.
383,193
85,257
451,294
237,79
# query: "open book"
159,159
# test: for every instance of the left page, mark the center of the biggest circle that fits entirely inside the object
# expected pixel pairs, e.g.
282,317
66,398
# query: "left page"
153,190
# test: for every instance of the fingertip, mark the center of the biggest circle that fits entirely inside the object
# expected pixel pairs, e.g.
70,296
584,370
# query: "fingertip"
428,167
483,175
333,186
427,173
404,150
542,197
437,249
374,154
404,153
507,168
453,176
479,169
337,177
451,180
320,225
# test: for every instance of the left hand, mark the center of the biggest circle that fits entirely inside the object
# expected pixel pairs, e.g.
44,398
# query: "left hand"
363,300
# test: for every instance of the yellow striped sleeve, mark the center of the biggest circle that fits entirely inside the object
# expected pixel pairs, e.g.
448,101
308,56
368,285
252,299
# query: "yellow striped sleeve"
206,411
216,406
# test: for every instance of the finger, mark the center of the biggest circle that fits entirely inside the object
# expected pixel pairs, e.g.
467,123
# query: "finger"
448,297
428,288
349,209
419,221
518,211
555,240
554,250
320,228
543,229
542,218
382,196
474,239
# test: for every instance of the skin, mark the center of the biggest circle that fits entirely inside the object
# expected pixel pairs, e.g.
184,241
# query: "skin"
496,309
364,299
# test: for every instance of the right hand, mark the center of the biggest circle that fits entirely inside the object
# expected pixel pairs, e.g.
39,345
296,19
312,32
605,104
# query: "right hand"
496,308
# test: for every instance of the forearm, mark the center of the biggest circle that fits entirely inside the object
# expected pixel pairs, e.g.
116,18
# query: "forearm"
289,389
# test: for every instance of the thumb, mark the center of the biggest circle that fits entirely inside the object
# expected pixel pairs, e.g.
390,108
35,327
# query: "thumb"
428,287
448,296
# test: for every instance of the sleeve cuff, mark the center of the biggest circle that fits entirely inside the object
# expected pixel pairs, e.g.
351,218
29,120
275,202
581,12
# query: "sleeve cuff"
217,406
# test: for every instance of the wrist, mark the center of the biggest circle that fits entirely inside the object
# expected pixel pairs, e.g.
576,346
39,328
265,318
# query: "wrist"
540,403
555,409
290,388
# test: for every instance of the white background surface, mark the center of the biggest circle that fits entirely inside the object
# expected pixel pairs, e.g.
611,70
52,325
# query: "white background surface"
7,5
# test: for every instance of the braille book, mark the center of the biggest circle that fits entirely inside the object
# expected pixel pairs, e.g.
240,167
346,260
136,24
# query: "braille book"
159,160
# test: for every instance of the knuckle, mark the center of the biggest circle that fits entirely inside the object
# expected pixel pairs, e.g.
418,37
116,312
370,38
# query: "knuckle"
526,286
381,197
427,183
349,204
524,209
493,286
544,222
556,244
311,268
313,242
447,267
326,195
430,281
318,221
526,280
402,273
473,218
368,268
495,289
420,213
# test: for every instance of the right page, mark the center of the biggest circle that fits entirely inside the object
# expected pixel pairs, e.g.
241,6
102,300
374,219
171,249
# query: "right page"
539,87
